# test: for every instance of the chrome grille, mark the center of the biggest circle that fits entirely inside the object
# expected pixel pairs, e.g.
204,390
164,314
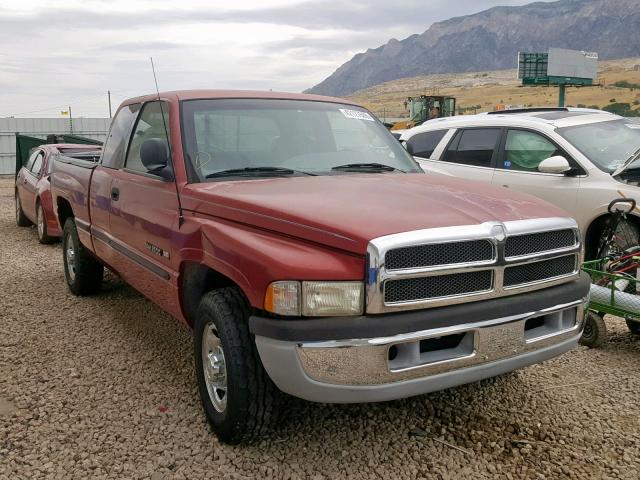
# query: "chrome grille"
439,254
521,245
452,265
422,288
537,271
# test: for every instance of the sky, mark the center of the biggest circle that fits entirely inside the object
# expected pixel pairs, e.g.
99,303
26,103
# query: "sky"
57,53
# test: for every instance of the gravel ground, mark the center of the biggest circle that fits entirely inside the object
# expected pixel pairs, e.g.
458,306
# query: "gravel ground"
104,387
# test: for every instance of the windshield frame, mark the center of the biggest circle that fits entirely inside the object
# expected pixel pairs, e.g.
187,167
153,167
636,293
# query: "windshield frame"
619,120
412,166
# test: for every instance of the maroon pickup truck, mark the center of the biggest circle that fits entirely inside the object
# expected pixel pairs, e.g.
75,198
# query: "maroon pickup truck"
310,254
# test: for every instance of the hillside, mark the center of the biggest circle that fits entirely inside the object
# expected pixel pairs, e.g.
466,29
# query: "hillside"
490,40
487,89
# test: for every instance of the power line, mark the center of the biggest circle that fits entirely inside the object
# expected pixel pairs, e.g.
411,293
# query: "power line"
84,99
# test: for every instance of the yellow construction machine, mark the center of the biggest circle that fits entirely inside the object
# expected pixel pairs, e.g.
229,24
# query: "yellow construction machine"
426,107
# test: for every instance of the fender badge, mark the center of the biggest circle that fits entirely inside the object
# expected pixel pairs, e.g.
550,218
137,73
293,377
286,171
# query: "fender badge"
156,250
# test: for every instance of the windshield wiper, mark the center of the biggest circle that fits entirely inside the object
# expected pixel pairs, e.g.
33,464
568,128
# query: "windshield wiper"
256,171
634,156
375,167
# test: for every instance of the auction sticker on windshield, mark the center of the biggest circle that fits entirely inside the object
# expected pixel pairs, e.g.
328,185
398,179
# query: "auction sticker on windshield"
357,114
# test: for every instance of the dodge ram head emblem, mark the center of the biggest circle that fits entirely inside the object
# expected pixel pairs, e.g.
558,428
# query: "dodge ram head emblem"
498,232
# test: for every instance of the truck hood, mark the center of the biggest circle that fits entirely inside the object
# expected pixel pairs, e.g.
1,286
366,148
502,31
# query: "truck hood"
347,211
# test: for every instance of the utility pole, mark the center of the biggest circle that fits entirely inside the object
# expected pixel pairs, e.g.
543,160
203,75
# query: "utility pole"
109,96
70,120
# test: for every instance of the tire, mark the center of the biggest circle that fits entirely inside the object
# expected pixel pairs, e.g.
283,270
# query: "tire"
595,331
82,271
238,397
21,219
41,226
633,326
627,235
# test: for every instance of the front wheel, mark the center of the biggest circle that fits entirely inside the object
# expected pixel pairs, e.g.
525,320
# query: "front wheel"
43,237
595,331
82,271
21,218
239,398
633,326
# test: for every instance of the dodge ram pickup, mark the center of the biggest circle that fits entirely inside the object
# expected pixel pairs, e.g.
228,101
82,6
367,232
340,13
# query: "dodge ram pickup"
311,255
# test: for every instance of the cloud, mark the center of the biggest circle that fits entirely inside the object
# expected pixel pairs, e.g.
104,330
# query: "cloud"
153,46
75,53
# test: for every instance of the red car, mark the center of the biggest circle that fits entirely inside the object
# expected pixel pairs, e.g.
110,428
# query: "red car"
33,190
311,255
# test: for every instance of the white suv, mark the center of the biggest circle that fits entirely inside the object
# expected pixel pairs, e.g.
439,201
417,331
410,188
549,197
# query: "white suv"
578,159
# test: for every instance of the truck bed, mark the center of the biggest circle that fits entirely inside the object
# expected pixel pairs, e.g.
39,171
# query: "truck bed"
70,182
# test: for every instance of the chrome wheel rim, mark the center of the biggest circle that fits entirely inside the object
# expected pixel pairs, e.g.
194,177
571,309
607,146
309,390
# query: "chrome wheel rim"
40,222
214,367
70,259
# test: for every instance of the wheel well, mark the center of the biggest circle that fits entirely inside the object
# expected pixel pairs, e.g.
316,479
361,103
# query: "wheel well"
198,279
595,229
64,211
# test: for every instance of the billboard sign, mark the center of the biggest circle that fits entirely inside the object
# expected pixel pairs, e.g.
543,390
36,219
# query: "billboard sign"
572,64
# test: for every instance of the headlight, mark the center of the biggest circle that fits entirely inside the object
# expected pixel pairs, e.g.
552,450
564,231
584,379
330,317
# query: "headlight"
315,299
283,298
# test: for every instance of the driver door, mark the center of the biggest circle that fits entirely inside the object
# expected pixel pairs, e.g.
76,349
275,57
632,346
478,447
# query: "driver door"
144,215
29,181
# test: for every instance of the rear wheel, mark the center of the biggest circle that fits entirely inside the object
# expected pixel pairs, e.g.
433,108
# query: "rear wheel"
81,270
21,219
595,331
238,396
42,226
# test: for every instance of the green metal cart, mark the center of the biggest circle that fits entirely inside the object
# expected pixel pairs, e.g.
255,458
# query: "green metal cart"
611,293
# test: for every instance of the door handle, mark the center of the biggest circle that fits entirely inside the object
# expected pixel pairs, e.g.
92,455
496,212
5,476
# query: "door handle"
115,194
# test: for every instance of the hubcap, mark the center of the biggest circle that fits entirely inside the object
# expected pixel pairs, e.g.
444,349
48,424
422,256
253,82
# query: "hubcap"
215,370
588,328
70,257
40,222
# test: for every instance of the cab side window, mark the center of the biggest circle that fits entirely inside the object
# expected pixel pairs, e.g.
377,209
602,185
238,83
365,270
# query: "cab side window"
423,144
523,151
36,166
150,125
116,143
31,159
475,147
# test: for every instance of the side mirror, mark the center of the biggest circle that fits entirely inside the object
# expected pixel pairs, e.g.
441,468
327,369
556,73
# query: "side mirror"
154,155
557,164
408,146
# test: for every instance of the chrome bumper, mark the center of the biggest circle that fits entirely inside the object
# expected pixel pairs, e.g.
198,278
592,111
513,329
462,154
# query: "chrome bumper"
386,368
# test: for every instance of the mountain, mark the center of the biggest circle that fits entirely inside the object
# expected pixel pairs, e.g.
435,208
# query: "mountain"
490,40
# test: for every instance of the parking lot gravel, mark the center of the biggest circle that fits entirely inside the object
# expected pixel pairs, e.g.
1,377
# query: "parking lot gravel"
103,387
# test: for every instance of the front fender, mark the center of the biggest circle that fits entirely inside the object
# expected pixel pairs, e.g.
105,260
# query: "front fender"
254,258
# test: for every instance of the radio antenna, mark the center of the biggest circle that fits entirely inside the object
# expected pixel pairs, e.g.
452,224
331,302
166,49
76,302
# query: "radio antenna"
166,132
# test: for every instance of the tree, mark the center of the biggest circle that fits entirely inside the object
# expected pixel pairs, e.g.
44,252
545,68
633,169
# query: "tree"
622,109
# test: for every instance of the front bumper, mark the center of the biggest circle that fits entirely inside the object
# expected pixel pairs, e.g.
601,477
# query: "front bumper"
384,357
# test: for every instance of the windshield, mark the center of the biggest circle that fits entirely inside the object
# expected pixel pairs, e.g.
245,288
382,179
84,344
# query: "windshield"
257,137
607,144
